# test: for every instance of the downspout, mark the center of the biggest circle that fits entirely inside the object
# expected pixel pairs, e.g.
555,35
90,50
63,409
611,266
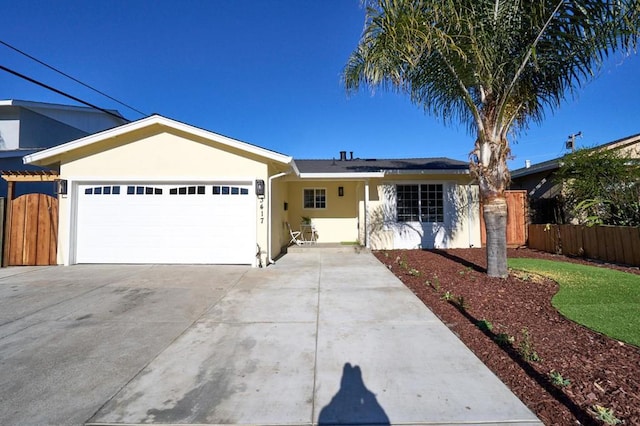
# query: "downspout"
469,211
271,178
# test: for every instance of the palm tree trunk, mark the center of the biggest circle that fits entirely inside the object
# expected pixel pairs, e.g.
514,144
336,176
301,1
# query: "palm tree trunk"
495,220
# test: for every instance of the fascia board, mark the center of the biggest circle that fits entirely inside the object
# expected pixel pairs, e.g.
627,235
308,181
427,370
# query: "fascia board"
342,175
294,166
536,169
428,172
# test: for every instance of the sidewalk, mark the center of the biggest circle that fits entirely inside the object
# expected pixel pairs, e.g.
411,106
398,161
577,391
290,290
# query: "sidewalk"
318,338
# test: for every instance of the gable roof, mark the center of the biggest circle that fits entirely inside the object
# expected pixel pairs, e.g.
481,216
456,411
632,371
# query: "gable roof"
555,163
379,167
49,156
537,168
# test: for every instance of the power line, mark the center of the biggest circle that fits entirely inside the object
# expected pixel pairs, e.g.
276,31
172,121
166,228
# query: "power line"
60,92
71,77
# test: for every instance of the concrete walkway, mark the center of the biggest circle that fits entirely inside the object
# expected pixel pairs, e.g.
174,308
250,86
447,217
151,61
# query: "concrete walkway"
322,337
319,338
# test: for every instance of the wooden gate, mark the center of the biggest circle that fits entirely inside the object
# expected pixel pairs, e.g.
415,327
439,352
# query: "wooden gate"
516,219
33,230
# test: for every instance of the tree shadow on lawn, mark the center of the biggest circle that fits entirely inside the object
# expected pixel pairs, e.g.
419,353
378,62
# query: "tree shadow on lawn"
459,260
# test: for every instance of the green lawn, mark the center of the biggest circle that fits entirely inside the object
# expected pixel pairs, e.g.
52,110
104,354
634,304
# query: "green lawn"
602,299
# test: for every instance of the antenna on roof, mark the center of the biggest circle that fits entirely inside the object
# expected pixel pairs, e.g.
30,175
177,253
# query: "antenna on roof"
571,141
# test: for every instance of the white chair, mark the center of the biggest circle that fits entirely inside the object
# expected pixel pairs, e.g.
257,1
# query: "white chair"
296,236
309,233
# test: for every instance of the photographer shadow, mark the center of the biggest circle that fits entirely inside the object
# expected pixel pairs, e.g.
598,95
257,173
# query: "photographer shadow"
354,404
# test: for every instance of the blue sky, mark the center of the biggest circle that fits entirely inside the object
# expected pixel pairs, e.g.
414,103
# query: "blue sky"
268,72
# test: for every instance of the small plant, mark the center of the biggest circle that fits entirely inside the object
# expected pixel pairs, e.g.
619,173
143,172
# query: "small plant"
435,283
504,339
606,415
526,348
466,270
558,380
484,325
462,302
414,272
402,262
448,296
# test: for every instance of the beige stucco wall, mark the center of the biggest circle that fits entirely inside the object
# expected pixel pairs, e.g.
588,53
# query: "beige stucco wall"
155,154
344,217
338,222
279,216
461,226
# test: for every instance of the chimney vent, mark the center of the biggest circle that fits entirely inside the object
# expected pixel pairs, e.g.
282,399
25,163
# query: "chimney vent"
527,164
350,155
343,155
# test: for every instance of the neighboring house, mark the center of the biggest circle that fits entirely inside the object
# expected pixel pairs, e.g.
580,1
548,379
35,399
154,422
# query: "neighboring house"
27,127
543,191
160,191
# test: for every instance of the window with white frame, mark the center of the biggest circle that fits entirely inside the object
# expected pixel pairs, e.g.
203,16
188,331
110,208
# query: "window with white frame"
315,198
420,203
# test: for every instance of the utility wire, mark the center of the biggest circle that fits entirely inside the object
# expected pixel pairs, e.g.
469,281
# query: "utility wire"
60,92
70,77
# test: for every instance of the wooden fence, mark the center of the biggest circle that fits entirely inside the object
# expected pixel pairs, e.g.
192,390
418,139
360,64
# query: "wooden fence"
516,219
33,230
615,244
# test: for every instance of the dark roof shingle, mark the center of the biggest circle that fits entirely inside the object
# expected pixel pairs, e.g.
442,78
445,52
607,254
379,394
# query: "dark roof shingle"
358,165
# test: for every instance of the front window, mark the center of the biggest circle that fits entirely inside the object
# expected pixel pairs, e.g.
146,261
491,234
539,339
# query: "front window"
315,198
420,203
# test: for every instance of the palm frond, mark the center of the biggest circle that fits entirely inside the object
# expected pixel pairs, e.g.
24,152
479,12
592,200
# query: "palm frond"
506,61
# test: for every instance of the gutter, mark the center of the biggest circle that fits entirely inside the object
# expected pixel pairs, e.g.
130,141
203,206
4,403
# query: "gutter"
428,172
269,227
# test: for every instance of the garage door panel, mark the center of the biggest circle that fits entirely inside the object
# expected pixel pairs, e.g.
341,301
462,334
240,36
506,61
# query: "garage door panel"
150,224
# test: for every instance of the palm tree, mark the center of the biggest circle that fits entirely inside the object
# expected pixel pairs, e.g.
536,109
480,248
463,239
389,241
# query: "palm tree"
493,65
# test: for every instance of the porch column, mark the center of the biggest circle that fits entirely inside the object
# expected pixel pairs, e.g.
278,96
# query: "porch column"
7,224
366,214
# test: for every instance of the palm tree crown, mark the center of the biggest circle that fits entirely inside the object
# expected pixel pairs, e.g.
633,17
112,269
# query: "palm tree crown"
493,66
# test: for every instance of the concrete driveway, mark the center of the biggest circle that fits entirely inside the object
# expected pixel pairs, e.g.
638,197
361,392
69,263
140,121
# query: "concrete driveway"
319,338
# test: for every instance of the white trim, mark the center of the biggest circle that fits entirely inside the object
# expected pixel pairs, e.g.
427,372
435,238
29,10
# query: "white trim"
366,215
294,166
445,187
150,121
342,175
270,218
315,188
428,172
381,174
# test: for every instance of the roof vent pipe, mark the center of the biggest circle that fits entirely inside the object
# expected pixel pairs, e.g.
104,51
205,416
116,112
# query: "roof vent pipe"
350,155
343,155
527,164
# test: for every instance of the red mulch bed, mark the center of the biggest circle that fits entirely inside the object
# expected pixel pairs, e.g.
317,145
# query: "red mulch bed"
602,371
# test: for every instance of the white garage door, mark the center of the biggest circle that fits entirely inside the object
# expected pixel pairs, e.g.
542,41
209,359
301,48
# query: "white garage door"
166,223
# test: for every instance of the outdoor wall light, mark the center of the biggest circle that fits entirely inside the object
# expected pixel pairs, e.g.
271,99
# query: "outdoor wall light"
62,187
340,191
260,188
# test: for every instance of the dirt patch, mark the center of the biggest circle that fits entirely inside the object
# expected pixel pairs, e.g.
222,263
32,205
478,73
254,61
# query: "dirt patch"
509,323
